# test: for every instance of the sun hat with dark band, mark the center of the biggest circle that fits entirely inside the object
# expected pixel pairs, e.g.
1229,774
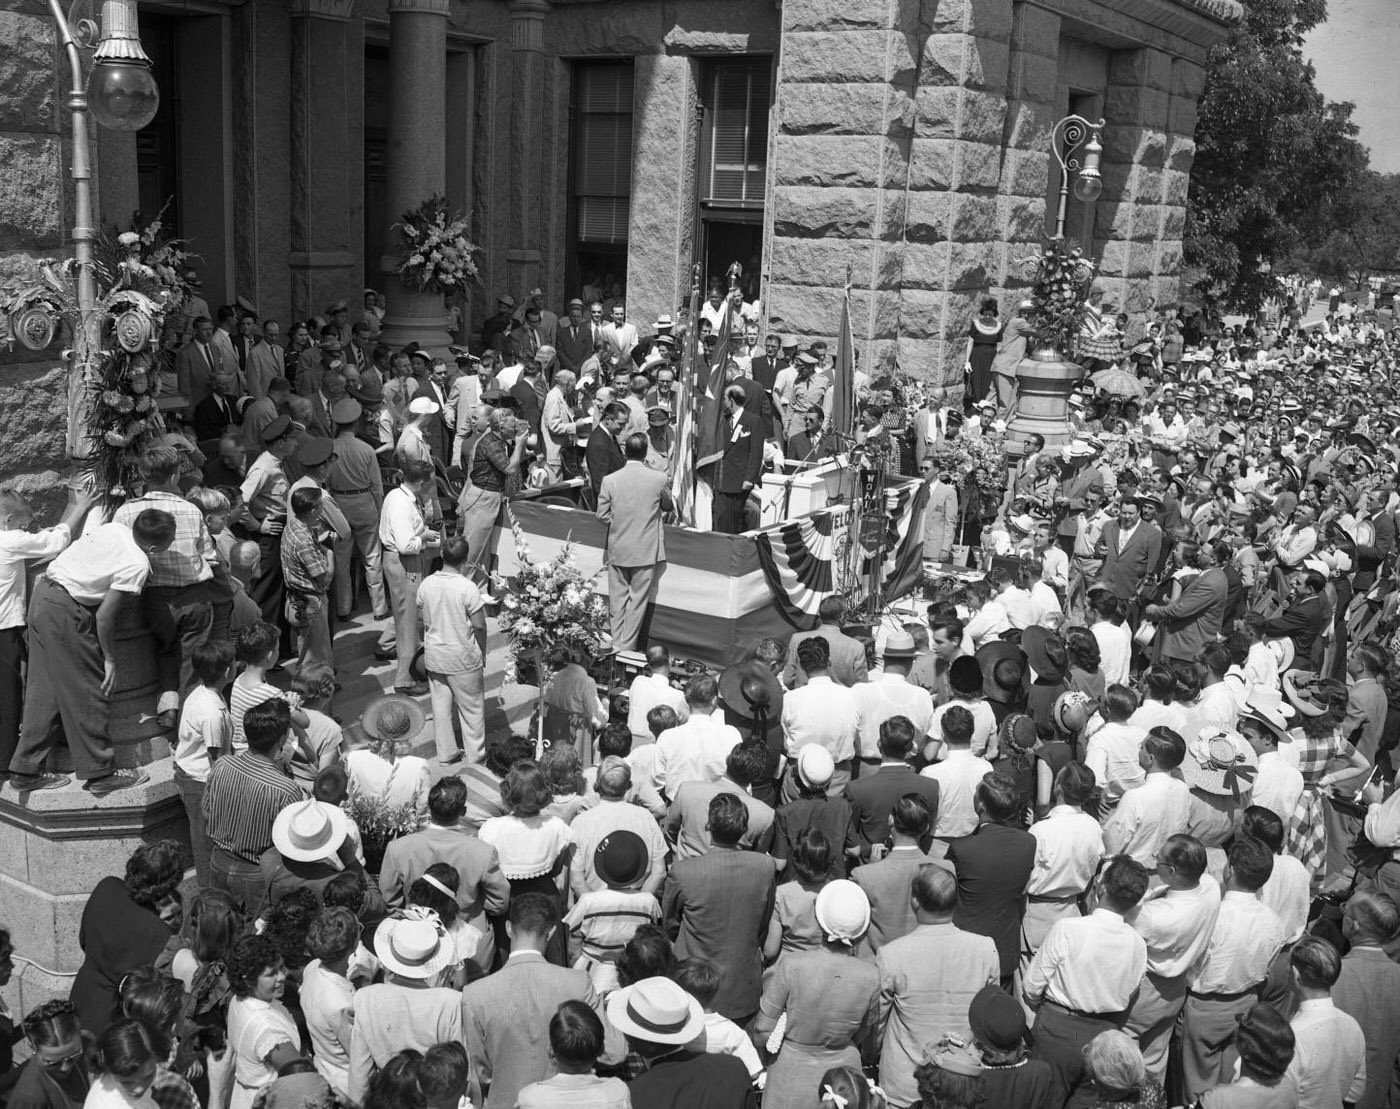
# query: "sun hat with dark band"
414,944
657,1011
308,831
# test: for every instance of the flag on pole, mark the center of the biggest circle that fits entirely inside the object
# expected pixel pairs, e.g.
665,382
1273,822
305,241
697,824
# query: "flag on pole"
843,385
683,443
711,431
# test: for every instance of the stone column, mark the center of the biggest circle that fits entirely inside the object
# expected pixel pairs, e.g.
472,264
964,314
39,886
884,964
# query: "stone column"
416,156
321,262
524,256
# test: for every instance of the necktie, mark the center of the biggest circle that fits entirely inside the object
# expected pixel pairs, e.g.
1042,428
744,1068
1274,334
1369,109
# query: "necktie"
208,356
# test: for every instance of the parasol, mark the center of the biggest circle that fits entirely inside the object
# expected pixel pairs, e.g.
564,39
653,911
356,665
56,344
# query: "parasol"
1118,383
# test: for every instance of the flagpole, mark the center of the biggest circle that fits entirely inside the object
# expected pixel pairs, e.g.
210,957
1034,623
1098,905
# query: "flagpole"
683,483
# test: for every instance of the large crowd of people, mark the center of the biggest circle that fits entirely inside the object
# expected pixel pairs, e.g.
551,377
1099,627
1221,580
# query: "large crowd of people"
1105,819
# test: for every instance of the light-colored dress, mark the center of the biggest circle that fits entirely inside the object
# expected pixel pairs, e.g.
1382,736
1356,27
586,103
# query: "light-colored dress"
255,1028
831,1002
402,781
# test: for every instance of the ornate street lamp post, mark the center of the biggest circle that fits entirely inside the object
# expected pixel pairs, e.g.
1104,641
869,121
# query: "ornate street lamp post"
1075,143
122,96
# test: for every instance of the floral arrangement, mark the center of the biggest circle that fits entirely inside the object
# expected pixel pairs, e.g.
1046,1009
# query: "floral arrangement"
379,823
1061,277
977,467
140,283
549,606
435,253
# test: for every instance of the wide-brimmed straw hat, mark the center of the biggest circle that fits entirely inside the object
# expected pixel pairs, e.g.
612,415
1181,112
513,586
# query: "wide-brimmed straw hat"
1220,762
414,944
393,717
310,830
656,1010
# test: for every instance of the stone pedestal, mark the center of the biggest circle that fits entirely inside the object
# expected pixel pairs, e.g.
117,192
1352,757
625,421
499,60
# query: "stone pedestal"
1044,382
416,156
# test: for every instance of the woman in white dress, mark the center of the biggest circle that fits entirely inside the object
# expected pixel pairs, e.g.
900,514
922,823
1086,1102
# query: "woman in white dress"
261,1032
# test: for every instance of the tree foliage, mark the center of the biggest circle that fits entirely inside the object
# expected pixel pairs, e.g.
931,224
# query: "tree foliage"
1358,235
1273,156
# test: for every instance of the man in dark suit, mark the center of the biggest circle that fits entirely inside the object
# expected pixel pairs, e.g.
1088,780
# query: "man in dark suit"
219,411
1370,557
529,393
631,502
528,337
505,1016
737,471
244,339
1131,547
717,907
993,866
574,343
1305,617
433,385
602,455
873,794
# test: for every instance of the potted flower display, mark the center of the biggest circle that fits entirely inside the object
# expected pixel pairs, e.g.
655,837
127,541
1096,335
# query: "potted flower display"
1062,277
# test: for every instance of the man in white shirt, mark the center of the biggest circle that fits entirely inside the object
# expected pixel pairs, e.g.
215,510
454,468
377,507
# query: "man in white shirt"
1225,981
1329,1048
1289,888
620,335
1158,708
406,539
696,750
1159,808
1176,922
1215,707
1111,752
1083,979
17,546
1278,785
1114,637
1068,849
454,654
891,694
820,712
650,688
957,776
73,652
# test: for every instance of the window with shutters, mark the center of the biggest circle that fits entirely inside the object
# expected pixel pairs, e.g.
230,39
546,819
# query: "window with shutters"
738,93
602,171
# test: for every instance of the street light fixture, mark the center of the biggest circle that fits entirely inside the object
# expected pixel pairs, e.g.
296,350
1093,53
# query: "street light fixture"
124,97
1075,143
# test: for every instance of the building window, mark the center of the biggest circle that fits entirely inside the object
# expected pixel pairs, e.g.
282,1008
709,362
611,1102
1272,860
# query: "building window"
602,174
739,93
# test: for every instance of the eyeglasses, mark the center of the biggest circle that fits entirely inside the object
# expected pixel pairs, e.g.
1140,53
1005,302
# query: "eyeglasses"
63,1063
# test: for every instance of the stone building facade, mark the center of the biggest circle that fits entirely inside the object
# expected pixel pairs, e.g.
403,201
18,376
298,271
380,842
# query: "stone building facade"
902,142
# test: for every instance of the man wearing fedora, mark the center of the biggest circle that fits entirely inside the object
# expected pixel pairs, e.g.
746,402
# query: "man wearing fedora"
310,846
660,1021
890,694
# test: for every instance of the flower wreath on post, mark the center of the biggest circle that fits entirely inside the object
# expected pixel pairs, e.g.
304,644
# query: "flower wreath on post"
549,607
435,255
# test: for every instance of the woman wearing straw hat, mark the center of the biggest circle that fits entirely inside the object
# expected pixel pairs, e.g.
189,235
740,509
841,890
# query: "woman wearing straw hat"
384,771
409,1009
826,999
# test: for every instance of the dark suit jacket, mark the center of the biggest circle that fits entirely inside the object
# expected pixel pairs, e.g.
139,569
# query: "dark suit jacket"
603,456
765,371
717,907
214,415
688,1081
1302,621
743,457
574,352
1123,573
435,430
872,797
531,404
993,866
755,399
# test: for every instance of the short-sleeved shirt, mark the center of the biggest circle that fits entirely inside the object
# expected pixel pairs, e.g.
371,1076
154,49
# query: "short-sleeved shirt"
243,697
104,559
204,724
264,488
16,547
490,462
303,559
448,600
191,557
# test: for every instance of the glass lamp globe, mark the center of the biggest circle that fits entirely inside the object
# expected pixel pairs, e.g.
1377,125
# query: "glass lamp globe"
122,94
1088,188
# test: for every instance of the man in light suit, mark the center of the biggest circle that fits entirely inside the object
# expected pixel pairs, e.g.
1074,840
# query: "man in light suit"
482,888
621,336
196,364
930,426
574,342
940,517
463,399
559,426
631,502
887,881
505,1016
847,654
737,472
1132,547
265,360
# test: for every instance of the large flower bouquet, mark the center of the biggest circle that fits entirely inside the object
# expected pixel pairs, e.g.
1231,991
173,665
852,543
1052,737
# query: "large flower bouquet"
380,823
549,606
435,255
1061,277
977,467
140,283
